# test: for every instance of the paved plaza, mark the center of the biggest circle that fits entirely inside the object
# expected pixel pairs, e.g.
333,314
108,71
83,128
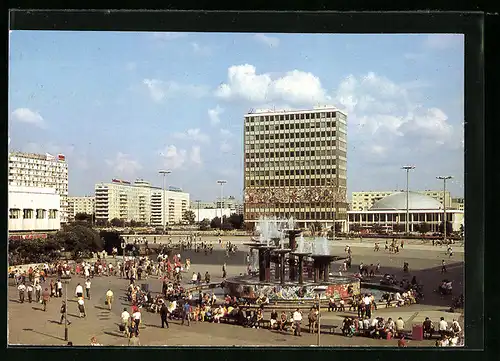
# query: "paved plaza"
28,324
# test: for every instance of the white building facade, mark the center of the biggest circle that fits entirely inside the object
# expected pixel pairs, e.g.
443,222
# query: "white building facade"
41,171
84,204
210,213
391,210
362,201
34,209
139,201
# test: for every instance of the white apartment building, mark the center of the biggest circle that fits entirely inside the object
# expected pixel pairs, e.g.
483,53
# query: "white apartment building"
33,209
140,202
362,201
42,171
295,165
85,204
230,203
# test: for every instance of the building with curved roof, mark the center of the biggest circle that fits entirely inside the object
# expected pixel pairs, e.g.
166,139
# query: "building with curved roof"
416,201
391,211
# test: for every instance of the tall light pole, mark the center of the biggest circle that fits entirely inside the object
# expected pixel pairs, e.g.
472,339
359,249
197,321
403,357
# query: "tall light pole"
444,179
221,182
319,291
163,196
334,205
66,280
407,168
198,203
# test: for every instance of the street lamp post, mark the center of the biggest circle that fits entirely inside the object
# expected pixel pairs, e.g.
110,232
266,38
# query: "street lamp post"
334,206
319,291
407,168
221,182
163,196
66,280
444,179
198,203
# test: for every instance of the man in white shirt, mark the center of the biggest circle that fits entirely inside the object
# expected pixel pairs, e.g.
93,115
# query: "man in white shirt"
368,308
59,288
136,316
79,291
21,288
38,292
109,298
297,319
125,321
400,325
30,293
366,323
443,326
81,308
87,288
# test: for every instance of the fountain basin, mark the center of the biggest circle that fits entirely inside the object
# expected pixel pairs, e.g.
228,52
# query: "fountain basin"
251,288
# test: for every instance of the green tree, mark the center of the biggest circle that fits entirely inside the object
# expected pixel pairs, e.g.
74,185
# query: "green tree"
80,240
189,216
83,217
117,222
204,224
399,227
355,228
377,229
449,228
424,227
236,220
215,222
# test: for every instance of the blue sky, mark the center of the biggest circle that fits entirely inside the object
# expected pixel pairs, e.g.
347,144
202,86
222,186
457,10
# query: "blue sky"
123,105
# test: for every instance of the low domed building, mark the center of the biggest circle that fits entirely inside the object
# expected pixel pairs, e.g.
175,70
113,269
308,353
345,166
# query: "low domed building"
391,210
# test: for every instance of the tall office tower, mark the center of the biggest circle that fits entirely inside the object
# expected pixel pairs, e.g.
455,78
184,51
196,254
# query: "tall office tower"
296,165
140,202
42,171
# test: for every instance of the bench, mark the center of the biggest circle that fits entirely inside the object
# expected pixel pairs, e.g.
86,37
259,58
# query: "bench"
230,320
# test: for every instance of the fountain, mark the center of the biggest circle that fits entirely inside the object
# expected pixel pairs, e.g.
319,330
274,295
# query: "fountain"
271,247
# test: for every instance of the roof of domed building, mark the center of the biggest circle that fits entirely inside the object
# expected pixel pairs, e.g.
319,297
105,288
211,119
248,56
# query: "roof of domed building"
416,201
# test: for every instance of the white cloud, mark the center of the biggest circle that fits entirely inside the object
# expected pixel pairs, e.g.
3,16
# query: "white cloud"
194,134
160,90
225,147
28,116
294,87
200,49
379,107
195,154
173,158
226,133
123,164
270,41
169,35
443,41
214,115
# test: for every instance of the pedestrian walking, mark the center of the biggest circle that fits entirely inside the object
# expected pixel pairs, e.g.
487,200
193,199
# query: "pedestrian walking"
443,266
38,292
59,288
87,288
186,313
79,291
81,308
63,313
109,298
125,317
297,320
21,288
29,289
164,314
45,298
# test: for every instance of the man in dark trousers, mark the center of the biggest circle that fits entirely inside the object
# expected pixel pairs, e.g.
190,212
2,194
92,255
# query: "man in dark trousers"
164,315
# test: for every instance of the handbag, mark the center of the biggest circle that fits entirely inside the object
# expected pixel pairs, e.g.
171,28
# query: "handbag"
106,302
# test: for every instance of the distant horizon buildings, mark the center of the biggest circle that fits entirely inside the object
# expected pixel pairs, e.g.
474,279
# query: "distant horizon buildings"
83,204
295,165
364,200
41,171
139,201
230,202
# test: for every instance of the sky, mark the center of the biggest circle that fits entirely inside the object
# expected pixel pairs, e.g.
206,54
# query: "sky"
125,105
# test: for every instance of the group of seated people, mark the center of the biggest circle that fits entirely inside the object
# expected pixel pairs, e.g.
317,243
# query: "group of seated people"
376,328
334,305
445,288
400,299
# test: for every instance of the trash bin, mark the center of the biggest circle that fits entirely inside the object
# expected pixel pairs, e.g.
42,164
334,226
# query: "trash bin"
417,333
145,287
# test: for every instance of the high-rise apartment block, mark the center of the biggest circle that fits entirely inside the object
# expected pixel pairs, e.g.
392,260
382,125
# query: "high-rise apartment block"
85,204
41,171
363,201
140,202
296,165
